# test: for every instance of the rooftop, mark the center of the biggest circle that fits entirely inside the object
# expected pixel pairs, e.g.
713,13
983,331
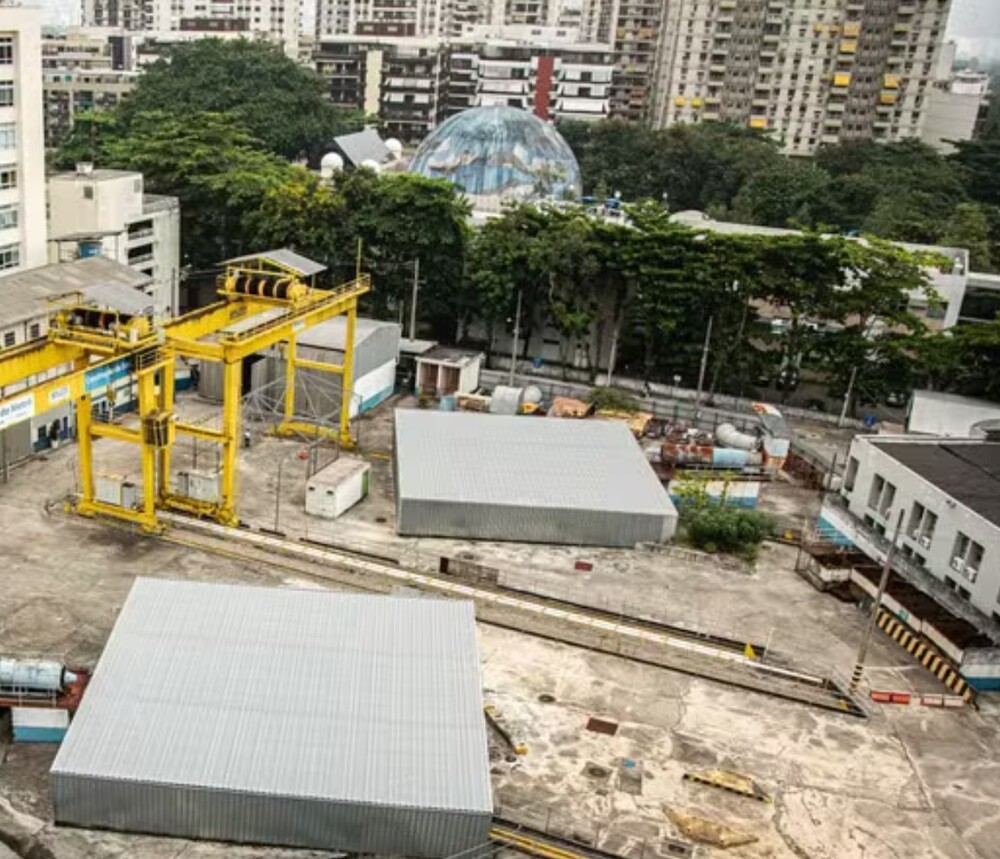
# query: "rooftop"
283,692
538,462
332,334
97,175
27,294
283,259
968,471
365,145
447,355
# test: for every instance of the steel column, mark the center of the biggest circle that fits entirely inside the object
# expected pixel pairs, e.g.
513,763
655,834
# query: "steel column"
232,386
347,385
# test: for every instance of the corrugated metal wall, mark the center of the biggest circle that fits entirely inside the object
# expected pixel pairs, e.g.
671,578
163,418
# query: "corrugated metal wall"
420,517
220,815
377,344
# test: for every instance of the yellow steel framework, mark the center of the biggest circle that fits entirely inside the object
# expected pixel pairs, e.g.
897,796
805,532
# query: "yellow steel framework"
86,346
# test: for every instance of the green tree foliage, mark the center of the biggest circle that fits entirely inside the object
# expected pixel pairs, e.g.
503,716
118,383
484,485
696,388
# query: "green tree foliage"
216,169
281,103
718,528
904,191
397,218
963,360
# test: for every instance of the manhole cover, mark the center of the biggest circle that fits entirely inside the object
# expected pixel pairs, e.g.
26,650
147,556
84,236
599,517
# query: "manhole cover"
547,699
601,726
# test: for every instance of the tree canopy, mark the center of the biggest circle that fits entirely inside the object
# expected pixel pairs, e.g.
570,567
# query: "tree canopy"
903,191
279,102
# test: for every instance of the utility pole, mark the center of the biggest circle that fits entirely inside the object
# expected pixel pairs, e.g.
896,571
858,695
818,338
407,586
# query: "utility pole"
277,494
704,361
413,299
847,396
517,333
859,666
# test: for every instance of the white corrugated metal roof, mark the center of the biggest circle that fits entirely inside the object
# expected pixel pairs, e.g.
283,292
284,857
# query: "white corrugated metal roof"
525,461
284,692
26,294
285,259
332,334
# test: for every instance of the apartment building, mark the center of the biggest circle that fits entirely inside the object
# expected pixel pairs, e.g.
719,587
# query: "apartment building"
22,152
277,21
402,81
809,71
536,69
83,71
106,213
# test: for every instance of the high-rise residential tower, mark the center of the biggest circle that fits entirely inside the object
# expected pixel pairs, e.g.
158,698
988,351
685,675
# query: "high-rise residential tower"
22,144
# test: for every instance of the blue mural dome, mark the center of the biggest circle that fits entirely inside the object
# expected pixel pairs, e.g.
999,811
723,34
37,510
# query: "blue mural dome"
497,154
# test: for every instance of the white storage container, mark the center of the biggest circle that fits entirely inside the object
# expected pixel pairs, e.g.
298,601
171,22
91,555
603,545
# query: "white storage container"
39,724
333,490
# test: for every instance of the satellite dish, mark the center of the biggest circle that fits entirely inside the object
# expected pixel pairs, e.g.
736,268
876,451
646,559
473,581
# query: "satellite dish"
330,164
395,147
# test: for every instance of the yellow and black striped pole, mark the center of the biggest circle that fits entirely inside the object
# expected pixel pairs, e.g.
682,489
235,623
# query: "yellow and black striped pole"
859,666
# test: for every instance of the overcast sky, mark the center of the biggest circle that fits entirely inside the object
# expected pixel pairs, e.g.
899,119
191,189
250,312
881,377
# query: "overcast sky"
975,25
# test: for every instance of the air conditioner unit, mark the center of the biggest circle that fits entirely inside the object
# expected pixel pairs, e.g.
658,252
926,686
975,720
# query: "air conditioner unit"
958,564
971,573
925,542
915,534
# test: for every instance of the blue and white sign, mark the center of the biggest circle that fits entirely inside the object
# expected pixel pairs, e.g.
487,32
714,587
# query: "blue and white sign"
101,377
57,395
16,410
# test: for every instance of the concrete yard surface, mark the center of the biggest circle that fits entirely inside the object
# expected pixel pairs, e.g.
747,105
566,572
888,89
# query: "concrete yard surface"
910,782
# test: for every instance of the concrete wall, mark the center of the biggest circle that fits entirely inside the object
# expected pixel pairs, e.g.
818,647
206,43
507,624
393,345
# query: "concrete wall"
952,517
949,116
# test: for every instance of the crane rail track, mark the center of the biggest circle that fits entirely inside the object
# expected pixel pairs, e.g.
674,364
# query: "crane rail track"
543,617
545,845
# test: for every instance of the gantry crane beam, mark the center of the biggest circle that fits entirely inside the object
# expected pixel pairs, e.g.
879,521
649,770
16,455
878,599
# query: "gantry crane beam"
94,356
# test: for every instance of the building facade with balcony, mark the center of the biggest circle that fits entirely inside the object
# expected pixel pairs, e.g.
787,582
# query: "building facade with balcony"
84,71
106,213
402,81
949,493
277,21
812,72
22,149
536,69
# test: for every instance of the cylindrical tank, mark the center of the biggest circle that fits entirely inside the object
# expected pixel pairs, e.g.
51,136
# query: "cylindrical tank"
728,436
505,400
447,403
531,394
685,454
34,676
730,457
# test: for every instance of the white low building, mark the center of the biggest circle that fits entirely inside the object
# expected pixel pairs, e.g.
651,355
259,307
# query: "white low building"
107,212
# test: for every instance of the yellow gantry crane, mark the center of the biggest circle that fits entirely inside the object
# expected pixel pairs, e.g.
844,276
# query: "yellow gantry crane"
264,303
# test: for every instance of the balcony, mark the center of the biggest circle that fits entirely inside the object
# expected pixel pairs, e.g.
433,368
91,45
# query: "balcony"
848,47
757,122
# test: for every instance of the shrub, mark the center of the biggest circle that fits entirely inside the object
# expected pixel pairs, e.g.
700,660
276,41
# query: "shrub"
613,399
727,529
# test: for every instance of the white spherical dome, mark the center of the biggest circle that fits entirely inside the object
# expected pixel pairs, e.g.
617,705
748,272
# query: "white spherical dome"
394,146
331,163
371,164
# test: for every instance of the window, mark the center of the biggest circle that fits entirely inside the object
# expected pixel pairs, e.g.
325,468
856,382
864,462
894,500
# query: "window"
34,331
6,50
8,339
8,216
88,192
8,135
966,556
878,484
8,177
6,93
10,256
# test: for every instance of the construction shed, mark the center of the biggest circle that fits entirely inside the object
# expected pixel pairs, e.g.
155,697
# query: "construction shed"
497,477
376,352
280,716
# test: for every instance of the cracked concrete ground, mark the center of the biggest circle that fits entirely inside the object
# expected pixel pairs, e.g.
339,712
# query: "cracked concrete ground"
911,782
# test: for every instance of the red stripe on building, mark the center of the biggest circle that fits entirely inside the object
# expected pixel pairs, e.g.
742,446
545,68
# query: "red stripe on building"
543,86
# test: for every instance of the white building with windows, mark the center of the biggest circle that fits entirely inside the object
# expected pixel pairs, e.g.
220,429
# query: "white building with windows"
107,213
949,492
22,145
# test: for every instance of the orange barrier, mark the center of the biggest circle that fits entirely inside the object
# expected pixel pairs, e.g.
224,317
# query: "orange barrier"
887,697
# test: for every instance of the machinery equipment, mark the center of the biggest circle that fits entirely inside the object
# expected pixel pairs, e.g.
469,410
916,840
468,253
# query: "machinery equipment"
263,303
24,676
